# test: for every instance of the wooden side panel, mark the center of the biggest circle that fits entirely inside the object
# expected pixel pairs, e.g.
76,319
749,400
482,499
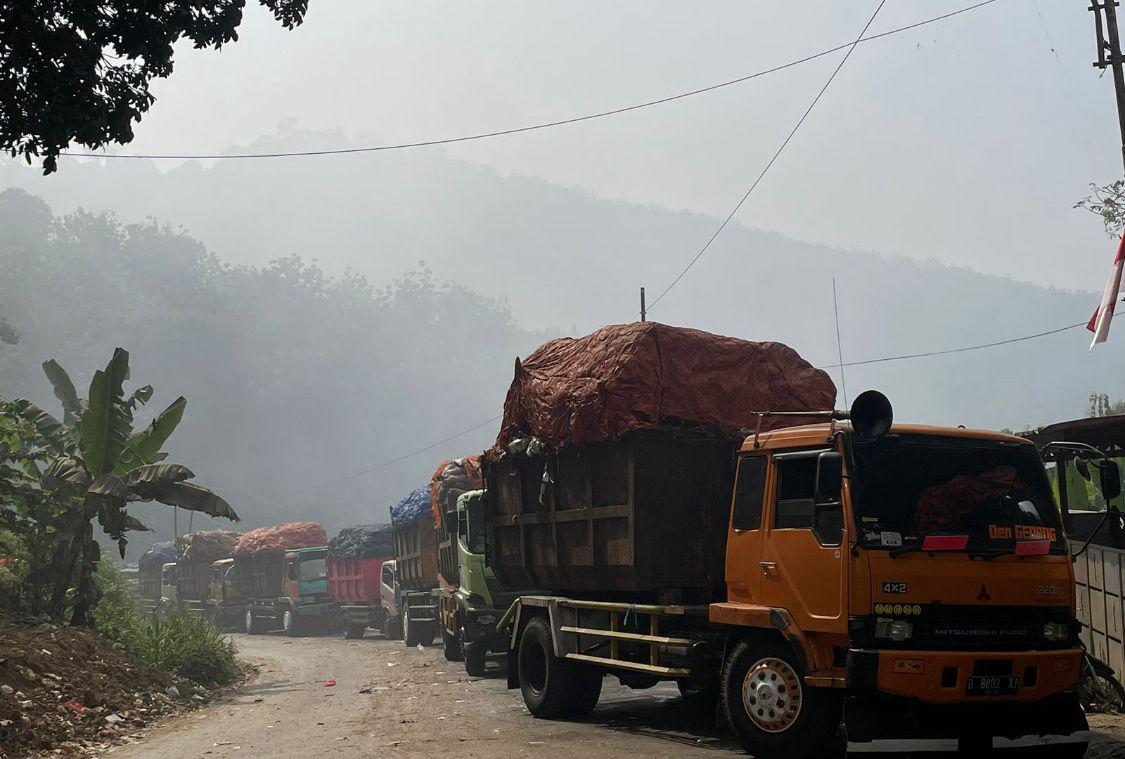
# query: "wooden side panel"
416,555
646,513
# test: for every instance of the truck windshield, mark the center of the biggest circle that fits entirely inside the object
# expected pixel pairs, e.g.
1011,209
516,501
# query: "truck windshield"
313,569
906,488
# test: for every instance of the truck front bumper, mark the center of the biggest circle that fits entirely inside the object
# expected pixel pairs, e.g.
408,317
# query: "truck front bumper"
316,610
889,726
941,677
480,625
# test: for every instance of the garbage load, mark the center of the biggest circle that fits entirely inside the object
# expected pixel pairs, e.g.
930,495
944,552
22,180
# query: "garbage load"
363,542
156,557
646,375
452,478
282,537
207,546
413,507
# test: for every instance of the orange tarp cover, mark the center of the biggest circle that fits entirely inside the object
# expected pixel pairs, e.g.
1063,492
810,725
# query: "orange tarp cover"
646,375
282,537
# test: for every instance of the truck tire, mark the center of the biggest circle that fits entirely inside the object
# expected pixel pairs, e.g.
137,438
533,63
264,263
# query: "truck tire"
251,623
290,623
549,684
588,690
354,630
451,645
392,628
770,709
476,658
416,633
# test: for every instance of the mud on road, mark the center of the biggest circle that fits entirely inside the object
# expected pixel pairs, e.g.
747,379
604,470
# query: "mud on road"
390,700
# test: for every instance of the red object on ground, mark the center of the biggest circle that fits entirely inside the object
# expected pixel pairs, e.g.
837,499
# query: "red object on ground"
1033,547
75,707
646,375
354,580
945,542
282,537
329,683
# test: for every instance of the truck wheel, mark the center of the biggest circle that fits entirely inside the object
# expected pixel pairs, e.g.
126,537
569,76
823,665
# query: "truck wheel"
290,623
476,658
589,690
354,630
392,629
770,709
549,684
412,632
251,626
452,646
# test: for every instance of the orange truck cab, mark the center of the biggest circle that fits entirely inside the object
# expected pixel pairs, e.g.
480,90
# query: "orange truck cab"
912,584
922,577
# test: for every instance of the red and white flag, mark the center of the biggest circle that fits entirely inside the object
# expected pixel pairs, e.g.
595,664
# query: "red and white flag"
1099,322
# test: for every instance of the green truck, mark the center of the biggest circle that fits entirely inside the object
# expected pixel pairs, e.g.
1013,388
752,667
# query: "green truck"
470,611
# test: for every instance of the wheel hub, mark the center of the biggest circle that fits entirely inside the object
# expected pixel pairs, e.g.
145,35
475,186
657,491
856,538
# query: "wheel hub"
772,694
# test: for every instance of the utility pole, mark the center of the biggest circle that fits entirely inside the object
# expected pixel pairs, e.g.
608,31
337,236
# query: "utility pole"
643,304
1109,54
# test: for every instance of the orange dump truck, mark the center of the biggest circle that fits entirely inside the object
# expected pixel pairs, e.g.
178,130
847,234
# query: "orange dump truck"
699,514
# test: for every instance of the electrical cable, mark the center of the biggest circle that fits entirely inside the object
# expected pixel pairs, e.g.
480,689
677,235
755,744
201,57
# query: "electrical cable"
530,127
957,350
772,160
405,456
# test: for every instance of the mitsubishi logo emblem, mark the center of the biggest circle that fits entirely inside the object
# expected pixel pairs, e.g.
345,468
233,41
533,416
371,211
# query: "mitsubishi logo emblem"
983,595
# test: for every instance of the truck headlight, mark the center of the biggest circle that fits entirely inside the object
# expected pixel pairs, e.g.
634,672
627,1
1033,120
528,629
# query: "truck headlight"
897,630
1056,632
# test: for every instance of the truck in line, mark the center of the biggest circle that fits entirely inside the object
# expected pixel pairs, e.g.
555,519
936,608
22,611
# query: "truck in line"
361,580
416,566
910,584
278,579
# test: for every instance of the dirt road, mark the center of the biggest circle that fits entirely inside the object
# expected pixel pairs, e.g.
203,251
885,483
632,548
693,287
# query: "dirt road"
420,705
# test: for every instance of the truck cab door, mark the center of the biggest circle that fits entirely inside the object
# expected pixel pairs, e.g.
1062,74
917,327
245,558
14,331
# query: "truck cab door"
744,540
803,568
292,585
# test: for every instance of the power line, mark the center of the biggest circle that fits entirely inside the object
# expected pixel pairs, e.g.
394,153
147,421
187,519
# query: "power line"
405,456
772,160
530,127
957,350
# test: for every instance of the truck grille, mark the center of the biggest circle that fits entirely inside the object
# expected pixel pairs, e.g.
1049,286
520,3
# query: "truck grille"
981,628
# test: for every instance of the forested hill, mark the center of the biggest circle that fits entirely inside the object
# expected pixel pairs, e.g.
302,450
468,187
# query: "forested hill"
293,379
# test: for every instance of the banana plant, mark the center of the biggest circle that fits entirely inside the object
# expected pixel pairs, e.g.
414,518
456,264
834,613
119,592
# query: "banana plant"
99,464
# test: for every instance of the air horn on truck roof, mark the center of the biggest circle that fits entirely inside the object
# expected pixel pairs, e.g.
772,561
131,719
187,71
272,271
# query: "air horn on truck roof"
871,415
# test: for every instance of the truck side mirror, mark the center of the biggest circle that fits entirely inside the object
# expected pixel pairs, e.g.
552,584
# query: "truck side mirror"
1110,476
829,475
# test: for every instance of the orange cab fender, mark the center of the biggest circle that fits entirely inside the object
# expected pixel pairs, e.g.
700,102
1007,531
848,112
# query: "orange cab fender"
760,623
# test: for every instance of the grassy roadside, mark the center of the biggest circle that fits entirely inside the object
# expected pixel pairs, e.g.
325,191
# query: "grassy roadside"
188,647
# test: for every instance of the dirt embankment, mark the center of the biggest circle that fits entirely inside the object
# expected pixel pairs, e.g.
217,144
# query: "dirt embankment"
63,687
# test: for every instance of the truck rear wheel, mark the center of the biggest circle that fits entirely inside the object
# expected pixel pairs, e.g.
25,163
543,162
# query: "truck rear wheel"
392,628
354,630
553,688
252,625
476,658
451,645
415,633
770,709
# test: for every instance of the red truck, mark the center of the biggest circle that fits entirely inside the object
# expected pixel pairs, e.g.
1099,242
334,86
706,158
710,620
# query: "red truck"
357,571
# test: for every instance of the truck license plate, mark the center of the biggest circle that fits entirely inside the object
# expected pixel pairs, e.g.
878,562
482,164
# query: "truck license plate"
1004,685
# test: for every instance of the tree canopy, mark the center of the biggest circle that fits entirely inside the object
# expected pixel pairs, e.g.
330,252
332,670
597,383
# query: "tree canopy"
79,71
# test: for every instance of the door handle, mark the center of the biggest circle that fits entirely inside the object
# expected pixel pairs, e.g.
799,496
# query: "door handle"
767,566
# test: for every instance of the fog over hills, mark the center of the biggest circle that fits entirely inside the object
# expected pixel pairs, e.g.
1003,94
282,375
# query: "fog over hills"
302,375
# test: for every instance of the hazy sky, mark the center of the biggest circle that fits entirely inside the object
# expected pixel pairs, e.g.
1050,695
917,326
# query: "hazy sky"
966,141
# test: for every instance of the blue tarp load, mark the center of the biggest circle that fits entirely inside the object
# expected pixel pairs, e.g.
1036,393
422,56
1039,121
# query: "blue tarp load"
363,541
157,556
412,508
